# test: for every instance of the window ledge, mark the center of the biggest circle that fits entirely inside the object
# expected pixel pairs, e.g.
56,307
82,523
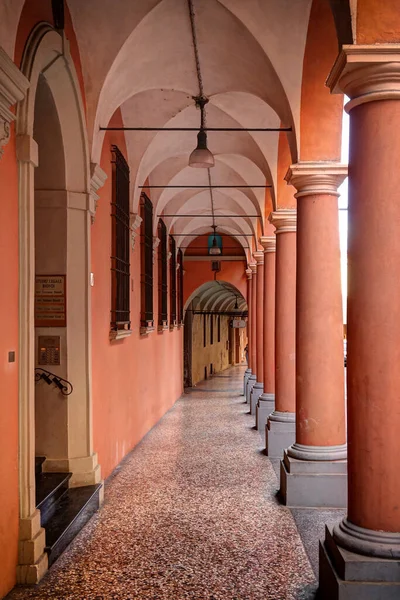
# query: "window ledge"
119,334
146,330
172,327
163,327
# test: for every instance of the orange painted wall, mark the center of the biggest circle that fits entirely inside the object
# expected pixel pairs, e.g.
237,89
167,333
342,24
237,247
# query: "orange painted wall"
9,511
199,272
321,111
285,193
378,22
135,381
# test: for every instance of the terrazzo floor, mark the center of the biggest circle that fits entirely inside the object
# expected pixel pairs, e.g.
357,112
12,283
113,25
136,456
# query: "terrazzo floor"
190,513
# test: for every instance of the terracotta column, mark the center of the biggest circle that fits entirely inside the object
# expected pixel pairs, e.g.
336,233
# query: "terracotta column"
313,471
259,385
247,372
252,379
280,429
266,402
370,77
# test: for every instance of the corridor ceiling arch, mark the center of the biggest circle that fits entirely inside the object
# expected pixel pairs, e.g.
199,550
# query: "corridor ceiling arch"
217,296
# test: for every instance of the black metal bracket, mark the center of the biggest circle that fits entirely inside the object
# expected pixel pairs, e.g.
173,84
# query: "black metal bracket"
63,385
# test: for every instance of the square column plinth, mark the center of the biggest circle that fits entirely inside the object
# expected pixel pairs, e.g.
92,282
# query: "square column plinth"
254,396
344,575
313,483
265,406
279,435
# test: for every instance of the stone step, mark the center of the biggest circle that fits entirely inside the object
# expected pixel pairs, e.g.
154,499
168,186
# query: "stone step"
50,487
73,510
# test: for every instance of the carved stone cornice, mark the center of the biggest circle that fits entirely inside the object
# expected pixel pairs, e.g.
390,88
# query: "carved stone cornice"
135,221
366,73
316,177
13,87
284,220
268,243
259,257
97,180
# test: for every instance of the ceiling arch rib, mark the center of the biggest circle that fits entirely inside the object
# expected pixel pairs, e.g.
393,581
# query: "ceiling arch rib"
215,296
167,26
229,227
168,144
228,170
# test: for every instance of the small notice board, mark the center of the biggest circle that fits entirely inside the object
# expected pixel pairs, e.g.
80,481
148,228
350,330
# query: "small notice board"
50,301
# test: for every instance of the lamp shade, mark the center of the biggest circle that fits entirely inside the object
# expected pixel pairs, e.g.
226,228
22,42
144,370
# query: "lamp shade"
201,157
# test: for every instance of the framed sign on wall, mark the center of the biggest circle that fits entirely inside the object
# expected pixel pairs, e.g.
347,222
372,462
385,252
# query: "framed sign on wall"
50,301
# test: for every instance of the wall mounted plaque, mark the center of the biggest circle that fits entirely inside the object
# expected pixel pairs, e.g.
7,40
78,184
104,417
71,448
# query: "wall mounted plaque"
50,301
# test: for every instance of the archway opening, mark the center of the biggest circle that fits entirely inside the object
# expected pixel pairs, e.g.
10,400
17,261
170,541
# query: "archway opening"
215,331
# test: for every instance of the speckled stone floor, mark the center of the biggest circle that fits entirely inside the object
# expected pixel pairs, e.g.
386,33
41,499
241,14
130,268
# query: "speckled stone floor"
190,513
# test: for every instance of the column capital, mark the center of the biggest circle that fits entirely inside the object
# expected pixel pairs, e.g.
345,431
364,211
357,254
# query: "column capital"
259,257
268,243
316,177
284,220
253,267
366,73
249,273
13,87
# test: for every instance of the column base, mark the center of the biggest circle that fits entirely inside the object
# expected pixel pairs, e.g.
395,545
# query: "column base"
254,396
345,575
32,559
246,376
265,406
280,432
250,384
313,483
85,470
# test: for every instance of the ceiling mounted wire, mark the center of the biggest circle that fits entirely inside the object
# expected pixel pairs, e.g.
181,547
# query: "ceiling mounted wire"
196,48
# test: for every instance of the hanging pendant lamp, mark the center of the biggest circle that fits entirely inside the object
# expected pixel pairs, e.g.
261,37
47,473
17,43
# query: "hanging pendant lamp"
201,157
215,250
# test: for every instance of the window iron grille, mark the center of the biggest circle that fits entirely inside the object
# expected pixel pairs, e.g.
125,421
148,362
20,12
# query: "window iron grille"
172,247
162,275
120,242
146,261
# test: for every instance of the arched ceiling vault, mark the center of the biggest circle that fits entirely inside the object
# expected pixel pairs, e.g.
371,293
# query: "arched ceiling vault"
145,67
217,296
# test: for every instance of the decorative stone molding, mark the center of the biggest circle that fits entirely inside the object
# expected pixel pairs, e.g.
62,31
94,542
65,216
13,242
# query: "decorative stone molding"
97,180
284,220
249,273
379,544
259,257
13,87
319,453
366,73
134,225
156,242
310,177
268,243
253,267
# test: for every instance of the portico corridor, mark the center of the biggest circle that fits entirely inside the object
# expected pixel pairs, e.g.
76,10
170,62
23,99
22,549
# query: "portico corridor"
190,513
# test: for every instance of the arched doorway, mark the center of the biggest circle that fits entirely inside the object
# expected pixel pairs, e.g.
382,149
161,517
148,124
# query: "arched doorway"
54,300
215,330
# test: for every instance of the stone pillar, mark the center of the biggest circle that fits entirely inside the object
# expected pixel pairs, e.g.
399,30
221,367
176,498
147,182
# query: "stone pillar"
266,402
253,351
247,372
313,472
280,429
259,385
362,553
